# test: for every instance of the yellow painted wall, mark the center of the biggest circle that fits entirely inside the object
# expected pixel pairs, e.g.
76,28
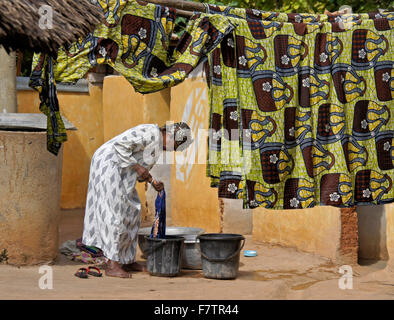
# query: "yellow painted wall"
85,111
193,202
124,108
315,230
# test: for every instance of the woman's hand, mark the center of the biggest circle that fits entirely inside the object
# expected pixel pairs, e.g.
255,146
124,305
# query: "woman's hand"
143,173
158,185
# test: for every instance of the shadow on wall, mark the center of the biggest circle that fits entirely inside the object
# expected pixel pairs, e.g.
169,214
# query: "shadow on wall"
372,234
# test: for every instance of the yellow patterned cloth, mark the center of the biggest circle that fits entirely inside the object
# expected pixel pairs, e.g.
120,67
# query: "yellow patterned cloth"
302,109
134,39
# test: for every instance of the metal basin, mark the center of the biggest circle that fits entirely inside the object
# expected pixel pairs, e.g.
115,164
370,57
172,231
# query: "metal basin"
191,249
191,258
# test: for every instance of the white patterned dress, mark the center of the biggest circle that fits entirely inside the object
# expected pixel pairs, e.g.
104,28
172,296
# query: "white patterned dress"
112,215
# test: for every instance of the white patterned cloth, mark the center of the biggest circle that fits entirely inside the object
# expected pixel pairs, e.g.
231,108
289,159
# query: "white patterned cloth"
112,215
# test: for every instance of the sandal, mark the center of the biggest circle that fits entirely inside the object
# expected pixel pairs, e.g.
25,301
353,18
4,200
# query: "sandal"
96,273
81,273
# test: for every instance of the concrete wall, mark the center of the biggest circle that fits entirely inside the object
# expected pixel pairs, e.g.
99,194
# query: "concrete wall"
7,81
341,235
235,218
30,180
314,230
372,227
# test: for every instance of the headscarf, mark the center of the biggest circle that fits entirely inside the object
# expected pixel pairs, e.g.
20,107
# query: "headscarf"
181,133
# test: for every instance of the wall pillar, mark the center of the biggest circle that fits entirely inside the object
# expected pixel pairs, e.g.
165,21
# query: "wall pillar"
7,81
348,249
372,230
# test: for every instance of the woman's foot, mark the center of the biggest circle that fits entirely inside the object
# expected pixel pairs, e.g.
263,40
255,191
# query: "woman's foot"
134,267
115,270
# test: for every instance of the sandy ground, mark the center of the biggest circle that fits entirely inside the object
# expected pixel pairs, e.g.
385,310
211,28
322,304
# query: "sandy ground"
276,273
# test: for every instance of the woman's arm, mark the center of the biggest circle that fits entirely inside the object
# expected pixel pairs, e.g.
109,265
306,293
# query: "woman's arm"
143,173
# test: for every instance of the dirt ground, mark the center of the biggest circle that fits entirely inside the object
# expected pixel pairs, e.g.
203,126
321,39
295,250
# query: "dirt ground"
276,273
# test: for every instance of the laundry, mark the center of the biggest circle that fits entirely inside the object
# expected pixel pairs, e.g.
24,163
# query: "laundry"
134,39
301,109
87,258
68,248
43,80
93,251
76,251
159,223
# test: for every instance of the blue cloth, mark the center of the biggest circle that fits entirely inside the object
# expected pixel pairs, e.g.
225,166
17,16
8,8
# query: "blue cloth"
159,224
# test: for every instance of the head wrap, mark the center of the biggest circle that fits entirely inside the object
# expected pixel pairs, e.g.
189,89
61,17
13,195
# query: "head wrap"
181,133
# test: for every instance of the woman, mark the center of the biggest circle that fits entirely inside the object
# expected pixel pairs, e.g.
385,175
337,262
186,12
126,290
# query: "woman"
112,215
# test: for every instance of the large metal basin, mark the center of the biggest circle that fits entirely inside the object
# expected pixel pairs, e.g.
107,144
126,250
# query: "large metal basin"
191,249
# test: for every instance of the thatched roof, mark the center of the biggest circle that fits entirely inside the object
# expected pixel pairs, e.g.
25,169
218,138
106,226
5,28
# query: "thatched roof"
20,28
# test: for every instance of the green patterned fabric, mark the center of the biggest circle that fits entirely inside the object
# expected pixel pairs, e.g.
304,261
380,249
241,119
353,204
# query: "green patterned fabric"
43,81
134,39
302,109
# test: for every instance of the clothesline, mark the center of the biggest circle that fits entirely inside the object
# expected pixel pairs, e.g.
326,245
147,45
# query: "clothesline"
187,8
184,13
179,4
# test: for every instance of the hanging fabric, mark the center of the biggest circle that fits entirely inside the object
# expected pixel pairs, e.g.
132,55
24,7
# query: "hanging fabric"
302,109
134,39
43,80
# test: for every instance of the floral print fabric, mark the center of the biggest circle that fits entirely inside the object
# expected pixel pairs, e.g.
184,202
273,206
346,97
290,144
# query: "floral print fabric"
134,39
302,109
